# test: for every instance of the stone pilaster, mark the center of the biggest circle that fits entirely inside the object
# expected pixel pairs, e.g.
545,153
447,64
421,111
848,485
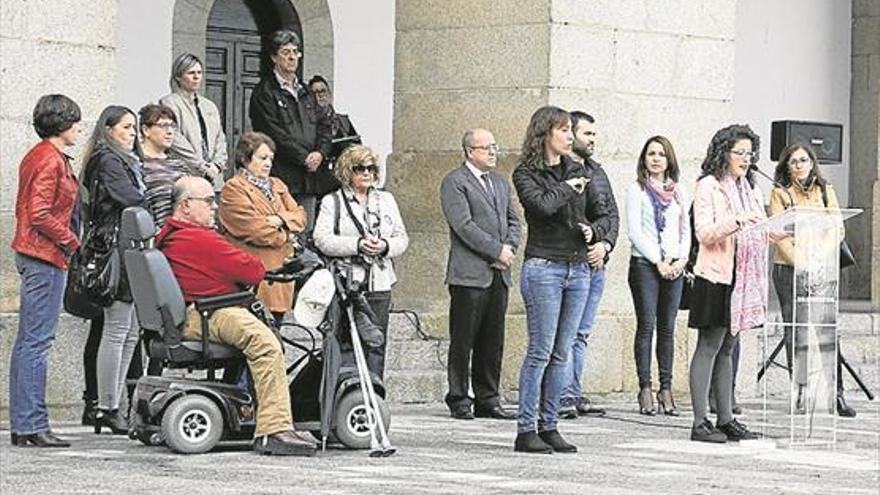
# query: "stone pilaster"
863,231
42,54
640,69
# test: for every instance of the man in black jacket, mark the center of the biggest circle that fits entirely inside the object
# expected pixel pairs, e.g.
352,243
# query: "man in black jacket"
607,218
284,109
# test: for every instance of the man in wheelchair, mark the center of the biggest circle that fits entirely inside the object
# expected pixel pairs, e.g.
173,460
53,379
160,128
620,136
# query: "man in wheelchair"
206,264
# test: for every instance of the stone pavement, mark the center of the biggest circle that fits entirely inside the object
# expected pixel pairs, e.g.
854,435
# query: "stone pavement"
622,453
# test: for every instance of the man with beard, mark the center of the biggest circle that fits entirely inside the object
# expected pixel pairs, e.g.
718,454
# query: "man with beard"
573,403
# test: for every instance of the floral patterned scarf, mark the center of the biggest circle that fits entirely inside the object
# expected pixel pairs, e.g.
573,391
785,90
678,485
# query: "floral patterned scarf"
748,302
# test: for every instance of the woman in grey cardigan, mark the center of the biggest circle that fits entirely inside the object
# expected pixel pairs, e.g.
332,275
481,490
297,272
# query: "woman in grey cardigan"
199,141
363,225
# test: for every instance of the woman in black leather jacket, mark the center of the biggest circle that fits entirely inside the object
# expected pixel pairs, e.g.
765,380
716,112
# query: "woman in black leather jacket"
113,174
555,194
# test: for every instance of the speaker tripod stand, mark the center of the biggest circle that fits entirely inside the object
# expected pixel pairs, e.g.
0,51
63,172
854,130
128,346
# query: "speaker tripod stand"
841,362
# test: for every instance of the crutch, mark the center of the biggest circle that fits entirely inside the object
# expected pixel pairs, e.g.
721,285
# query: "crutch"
381,446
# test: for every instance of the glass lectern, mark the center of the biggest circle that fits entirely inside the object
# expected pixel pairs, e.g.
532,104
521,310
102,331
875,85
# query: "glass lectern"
799,402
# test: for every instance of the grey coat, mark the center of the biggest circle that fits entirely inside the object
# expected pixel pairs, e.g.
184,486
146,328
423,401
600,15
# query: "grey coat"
478,226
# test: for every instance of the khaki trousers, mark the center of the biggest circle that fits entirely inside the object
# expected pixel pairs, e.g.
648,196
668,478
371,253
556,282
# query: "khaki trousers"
241,329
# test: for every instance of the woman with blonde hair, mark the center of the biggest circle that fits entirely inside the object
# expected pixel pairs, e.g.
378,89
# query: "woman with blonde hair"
362,224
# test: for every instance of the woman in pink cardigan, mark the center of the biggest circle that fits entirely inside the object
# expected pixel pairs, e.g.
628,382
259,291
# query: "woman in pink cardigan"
731,275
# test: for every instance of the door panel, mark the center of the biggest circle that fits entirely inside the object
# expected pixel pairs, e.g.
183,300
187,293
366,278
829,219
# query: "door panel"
232,69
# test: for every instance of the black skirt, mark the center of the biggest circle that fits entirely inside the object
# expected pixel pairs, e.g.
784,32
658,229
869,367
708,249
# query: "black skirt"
710,304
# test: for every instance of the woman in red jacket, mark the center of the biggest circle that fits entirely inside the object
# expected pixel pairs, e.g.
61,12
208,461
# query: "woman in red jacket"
45,236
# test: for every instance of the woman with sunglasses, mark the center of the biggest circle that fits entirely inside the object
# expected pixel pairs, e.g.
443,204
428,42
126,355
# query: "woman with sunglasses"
798,171
259,215
114,173
362,224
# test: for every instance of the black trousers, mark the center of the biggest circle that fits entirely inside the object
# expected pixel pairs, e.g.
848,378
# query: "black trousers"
476,343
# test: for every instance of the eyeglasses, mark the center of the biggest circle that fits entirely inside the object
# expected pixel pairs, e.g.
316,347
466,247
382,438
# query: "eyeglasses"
321,92
803,159
744,153
168,126
208,200
287,52
365,169
488,147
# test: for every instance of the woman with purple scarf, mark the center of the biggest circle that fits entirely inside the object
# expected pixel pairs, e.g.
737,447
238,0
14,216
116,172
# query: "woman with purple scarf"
729,293
659,229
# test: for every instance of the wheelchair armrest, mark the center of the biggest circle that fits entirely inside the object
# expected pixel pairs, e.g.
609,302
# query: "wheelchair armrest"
211,303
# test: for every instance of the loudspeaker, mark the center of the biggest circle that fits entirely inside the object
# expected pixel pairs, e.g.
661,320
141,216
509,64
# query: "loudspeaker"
825,139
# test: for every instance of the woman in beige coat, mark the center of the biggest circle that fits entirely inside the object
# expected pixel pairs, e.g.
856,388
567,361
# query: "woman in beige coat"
258,214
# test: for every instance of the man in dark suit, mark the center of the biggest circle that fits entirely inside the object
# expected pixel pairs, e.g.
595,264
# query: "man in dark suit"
287,111
484,232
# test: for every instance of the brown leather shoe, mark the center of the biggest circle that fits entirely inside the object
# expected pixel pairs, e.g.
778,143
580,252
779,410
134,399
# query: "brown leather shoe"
285,443
666,404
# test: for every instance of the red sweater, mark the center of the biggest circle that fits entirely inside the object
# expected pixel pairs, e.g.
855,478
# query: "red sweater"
204,262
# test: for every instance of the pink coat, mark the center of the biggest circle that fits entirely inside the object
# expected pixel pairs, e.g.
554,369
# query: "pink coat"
715,224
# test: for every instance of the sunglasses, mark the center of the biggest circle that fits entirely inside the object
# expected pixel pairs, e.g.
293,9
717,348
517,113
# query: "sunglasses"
365,169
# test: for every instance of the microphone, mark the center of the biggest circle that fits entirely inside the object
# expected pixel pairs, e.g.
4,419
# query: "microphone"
753,167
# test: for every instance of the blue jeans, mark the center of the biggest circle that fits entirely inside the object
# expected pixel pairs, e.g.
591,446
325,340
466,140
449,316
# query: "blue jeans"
579,346
555,294
42,287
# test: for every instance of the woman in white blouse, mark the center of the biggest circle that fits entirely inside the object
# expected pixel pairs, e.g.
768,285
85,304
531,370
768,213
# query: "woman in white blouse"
362,224
659,229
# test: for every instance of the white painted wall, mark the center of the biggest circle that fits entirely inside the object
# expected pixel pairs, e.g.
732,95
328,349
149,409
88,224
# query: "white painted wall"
793,63
363,33
143,56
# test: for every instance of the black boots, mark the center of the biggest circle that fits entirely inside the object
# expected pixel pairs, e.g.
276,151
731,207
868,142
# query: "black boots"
89,410
114,420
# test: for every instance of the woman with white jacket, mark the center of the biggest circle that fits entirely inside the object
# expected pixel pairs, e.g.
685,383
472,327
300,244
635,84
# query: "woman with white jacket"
659,229
363,225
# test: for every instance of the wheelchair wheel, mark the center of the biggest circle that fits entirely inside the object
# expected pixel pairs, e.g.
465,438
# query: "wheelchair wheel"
192,424
352,429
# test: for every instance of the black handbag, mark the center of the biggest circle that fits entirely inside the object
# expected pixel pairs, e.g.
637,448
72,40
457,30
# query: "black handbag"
687,285
76,301
95,269
847,258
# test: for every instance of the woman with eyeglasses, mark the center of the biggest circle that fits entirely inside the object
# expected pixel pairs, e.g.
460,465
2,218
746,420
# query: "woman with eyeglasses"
730,272
259,215
362,225
158,126
114,172
798,171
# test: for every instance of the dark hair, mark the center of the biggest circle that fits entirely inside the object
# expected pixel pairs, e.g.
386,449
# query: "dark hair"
318,78
672,171
152,113
101,139
544,120
782,174
54,114
280,38
247,146
577,116
715,163
181,64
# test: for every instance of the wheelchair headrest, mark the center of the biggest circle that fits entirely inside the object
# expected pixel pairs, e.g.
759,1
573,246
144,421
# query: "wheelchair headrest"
137,225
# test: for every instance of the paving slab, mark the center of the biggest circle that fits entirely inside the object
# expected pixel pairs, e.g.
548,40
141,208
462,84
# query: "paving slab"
621,453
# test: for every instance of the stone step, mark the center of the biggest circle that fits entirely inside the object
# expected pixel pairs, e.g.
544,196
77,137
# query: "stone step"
411,386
